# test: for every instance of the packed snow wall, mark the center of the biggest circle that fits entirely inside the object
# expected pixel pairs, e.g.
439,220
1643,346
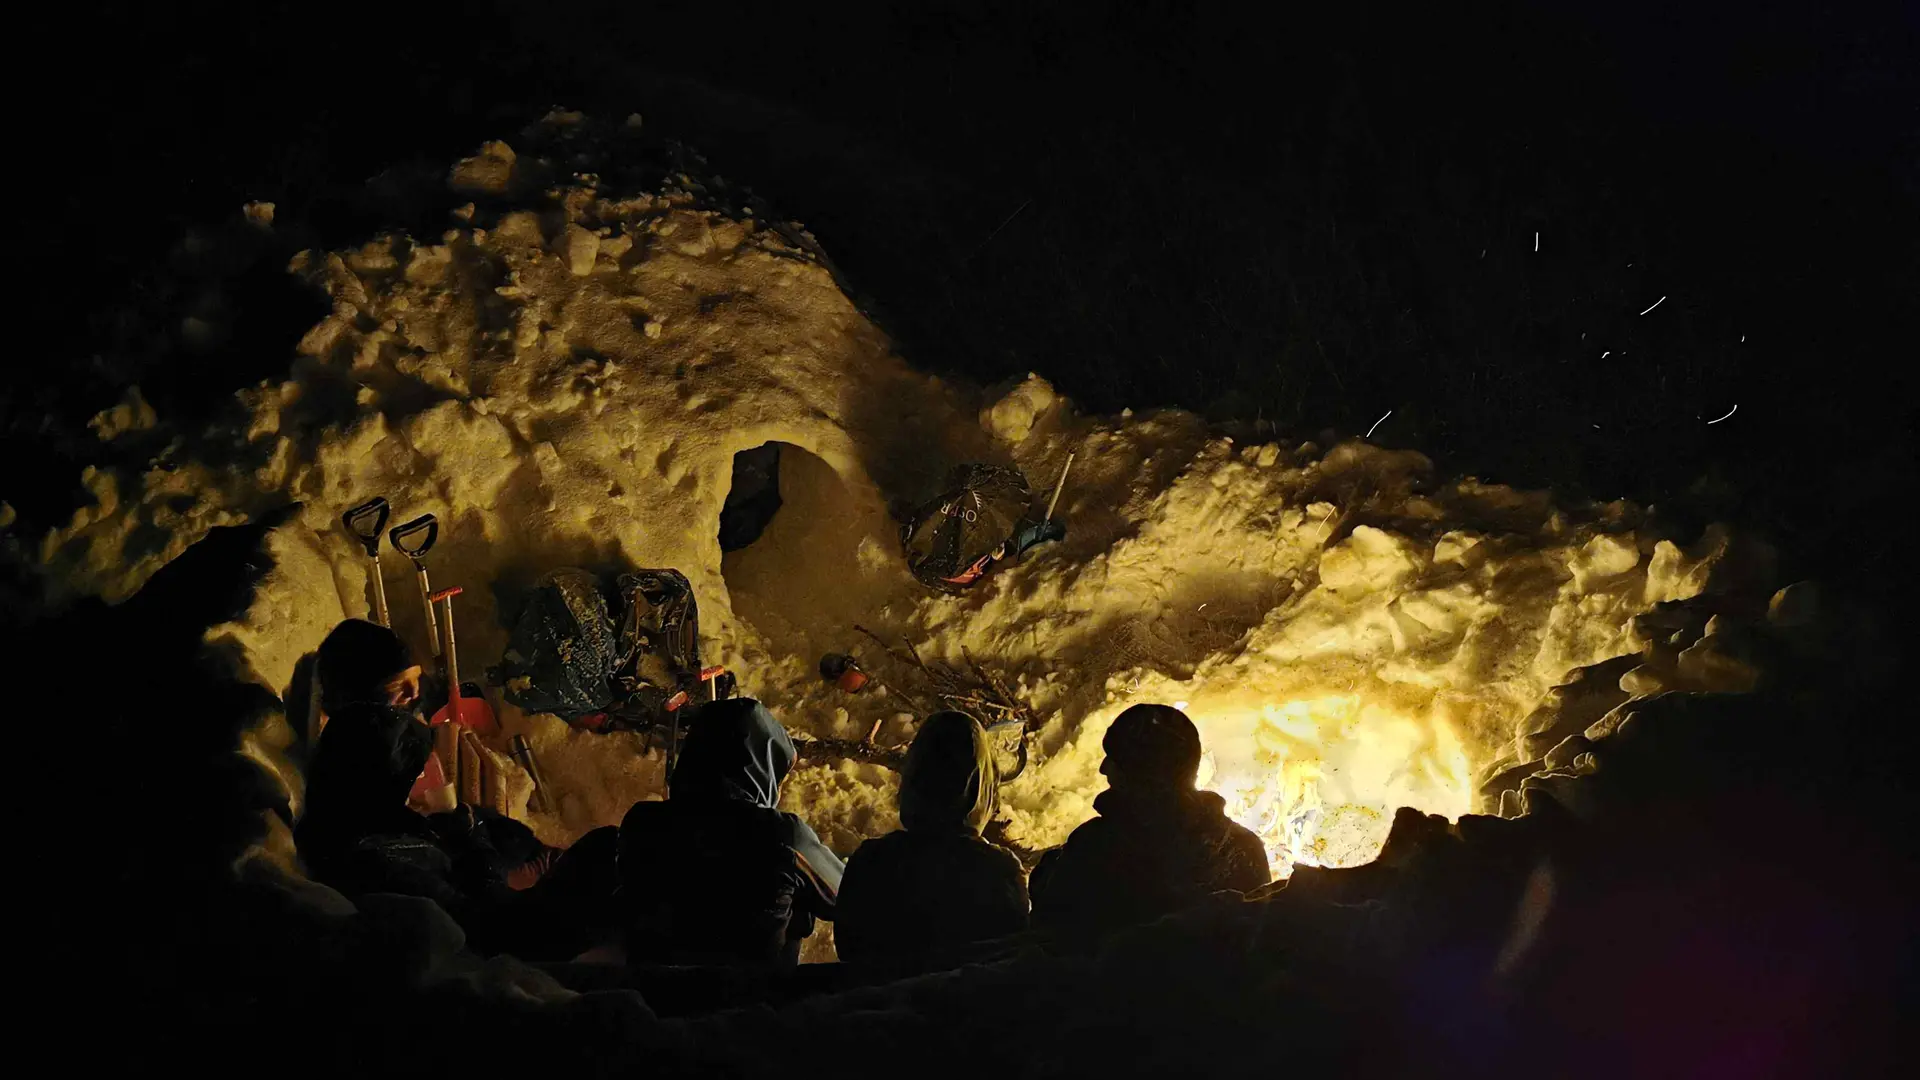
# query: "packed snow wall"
564,375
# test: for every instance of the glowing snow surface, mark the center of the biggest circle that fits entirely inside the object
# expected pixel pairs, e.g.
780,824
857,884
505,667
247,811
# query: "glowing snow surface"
565,374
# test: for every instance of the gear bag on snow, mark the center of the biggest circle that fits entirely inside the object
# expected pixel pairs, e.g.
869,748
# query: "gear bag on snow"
563,651
948,539
576,656
659,646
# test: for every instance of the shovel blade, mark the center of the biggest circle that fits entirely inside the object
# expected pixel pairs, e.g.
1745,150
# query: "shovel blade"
475,715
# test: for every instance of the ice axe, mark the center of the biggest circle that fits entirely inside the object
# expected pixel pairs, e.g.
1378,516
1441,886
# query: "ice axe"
376,509
471,713
399,537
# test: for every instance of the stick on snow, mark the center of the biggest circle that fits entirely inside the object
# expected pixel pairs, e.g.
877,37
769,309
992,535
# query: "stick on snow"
1059,487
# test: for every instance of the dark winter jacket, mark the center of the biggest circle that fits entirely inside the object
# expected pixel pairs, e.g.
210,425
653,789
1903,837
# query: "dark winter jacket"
359,836
931,894
717,874
366,761
1152,850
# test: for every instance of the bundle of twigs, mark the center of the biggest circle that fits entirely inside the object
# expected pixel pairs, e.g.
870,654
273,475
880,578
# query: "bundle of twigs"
975,691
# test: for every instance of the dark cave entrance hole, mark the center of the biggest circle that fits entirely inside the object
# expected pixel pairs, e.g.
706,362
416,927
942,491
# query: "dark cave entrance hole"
753,498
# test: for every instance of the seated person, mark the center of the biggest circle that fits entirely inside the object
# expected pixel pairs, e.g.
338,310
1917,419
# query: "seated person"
930,895
366,829
717,874
1158,844
363,663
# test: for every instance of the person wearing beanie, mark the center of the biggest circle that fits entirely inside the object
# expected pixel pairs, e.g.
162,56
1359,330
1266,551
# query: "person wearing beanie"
934,894
361,663
372,773
379,815
1158,844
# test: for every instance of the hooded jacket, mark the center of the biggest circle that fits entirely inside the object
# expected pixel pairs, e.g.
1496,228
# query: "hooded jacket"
934,893
718,874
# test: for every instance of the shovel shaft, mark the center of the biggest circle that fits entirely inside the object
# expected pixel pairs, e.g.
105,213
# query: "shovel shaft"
471,713
450,654
458,760
426,601
380,613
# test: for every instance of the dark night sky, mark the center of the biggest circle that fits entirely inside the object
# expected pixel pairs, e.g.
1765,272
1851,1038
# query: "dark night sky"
1279,216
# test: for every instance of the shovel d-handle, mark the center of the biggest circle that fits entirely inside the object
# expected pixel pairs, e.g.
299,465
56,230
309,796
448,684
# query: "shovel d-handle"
355,520
375,512
408,541
402,536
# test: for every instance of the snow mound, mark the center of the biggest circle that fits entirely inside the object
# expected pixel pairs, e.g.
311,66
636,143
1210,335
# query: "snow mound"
564,375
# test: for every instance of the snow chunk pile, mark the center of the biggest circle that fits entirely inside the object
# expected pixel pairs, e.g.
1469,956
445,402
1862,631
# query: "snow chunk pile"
564,375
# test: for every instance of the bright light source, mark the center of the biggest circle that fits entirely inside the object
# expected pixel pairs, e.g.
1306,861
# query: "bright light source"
1320,778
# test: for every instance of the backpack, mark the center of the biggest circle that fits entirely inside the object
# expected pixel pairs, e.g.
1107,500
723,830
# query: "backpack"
949,541
660,669
659,632
570,655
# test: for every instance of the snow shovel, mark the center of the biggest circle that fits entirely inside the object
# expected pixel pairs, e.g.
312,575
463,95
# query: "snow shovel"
472,713
375,508
398,538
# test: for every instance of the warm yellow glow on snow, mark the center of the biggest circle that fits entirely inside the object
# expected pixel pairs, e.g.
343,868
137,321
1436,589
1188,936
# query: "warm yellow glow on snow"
1320,778
1351,631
